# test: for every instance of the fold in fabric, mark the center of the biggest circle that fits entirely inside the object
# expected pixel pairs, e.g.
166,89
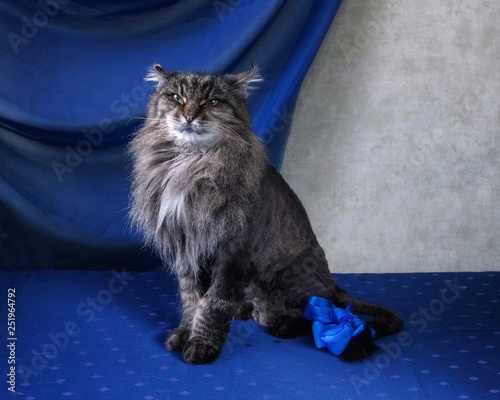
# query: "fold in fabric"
73,93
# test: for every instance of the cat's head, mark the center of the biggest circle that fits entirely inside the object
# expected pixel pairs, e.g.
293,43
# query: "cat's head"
198,109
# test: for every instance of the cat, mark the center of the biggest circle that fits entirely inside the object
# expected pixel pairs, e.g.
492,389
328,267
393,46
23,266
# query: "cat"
226,222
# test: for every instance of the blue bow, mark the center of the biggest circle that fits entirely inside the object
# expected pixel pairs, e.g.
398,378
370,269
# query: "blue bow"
333,327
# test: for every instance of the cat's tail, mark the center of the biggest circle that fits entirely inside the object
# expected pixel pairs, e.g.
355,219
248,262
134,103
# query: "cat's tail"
385,322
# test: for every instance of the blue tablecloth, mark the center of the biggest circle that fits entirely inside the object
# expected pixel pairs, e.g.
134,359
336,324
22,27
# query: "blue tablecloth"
98,335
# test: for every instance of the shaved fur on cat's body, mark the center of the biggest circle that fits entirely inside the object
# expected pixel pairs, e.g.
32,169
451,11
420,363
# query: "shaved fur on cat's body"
225,222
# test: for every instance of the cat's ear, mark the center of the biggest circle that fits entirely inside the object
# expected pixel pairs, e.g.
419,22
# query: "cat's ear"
157,74
245,81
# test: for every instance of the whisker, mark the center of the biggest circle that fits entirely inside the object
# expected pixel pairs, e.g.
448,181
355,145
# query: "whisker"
135,118
233,134
227,131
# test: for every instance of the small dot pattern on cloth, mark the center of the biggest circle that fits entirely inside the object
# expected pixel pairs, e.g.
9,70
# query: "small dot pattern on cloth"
99,335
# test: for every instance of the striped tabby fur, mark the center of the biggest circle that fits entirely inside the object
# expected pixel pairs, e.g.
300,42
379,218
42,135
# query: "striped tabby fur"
226,222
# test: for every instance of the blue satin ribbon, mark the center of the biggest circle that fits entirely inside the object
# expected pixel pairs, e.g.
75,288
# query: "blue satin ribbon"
333,327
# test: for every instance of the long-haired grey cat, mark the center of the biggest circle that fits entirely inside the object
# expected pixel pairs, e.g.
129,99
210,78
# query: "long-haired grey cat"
225,222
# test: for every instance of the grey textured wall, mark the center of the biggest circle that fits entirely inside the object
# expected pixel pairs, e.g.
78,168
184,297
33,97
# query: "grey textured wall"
395,143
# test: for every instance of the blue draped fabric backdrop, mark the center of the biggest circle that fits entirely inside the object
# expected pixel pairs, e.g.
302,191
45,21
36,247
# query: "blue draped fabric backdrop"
72,93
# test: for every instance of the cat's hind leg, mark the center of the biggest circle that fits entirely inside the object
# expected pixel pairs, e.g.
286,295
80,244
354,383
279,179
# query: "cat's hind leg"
283,321
290,325
305,275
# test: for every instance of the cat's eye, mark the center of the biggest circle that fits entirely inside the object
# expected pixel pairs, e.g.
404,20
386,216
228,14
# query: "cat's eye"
177,98
212,102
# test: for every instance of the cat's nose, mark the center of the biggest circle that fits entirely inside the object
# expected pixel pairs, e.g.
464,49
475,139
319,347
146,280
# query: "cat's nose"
190,112
190,115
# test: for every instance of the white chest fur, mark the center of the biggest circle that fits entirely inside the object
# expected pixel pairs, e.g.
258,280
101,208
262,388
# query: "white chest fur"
174,187
181,182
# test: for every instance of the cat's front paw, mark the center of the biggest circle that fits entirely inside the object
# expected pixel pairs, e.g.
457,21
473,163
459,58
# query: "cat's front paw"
177,339
197,352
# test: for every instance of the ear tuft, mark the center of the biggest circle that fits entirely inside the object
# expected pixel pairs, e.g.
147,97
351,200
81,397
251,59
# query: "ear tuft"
156,74
246,80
